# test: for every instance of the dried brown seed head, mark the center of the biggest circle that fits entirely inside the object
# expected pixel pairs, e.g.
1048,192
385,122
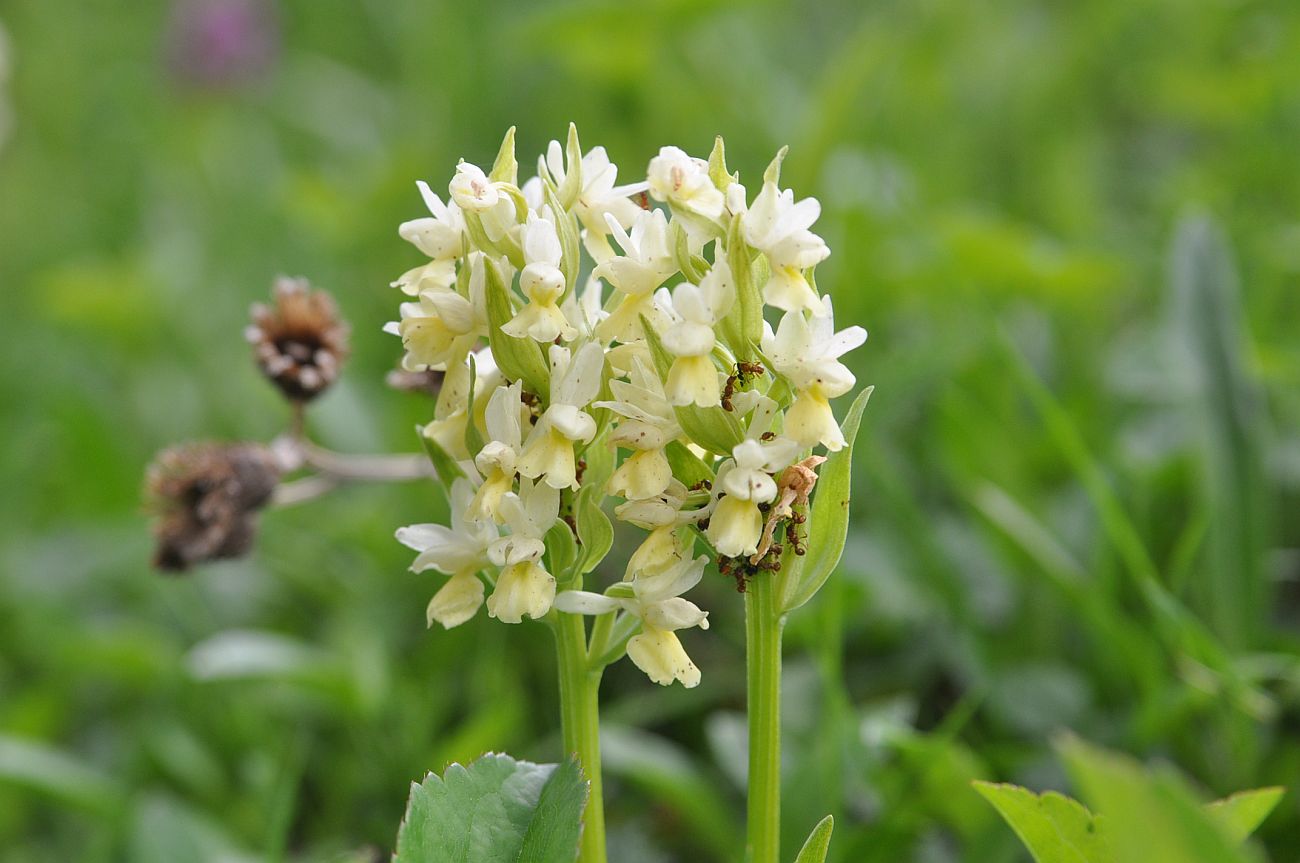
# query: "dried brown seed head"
205,498
299,341
794,485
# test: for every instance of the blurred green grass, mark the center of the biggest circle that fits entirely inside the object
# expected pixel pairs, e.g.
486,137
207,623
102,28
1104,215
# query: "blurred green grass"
1077,488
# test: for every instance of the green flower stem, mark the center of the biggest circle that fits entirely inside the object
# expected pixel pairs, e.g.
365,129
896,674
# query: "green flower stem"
580,721
763,625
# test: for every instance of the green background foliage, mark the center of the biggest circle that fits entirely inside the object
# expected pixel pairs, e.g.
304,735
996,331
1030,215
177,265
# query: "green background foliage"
1076,489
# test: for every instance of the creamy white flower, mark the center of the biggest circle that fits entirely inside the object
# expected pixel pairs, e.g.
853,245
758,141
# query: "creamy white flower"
459,551
599,199
778,226
543,284
693,314
657,601
806,351
523,590
441,327
451,410
456,602
493,202
498,459
736,524
735,196
662,549
524,587
647,260
534,194
441,237
472,190
684,183
658,511
548,452
584,310
648,425
438,328
528,515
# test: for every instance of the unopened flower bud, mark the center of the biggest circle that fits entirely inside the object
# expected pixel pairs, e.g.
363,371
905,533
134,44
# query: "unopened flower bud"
206,497
300,341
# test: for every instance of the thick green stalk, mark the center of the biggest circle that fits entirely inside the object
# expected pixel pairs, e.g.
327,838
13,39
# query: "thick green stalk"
763,624
580,721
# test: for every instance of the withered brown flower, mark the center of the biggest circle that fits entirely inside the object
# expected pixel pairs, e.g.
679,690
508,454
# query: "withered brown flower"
299,341
205,498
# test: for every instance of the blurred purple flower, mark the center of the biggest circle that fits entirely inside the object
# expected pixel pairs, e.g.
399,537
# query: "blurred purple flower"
221,43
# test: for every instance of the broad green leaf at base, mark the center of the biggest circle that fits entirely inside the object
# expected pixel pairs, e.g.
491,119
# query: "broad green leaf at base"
496,810
1053,827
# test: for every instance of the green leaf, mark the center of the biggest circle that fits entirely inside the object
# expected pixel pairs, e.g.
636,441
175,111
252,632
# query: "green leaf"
1150,816
595,533
818,843
497,810
598,455
828,519
1055,828
505,169
165,830
473,440
443,464
572,185
773,172
688,468
713,428
693,267
507,245
1244,811
1179,631
566,229
56,773
718,165
747,313
519,359
1233,591
561,548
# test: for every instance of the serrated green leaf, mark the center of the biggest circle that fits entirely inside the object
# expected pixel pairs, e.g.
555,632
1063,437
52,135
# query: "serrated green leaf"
1244,811
818,843
519,359
688,468
1150,816
443,464
828,518
595,533
1055,828
715,429
497,810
